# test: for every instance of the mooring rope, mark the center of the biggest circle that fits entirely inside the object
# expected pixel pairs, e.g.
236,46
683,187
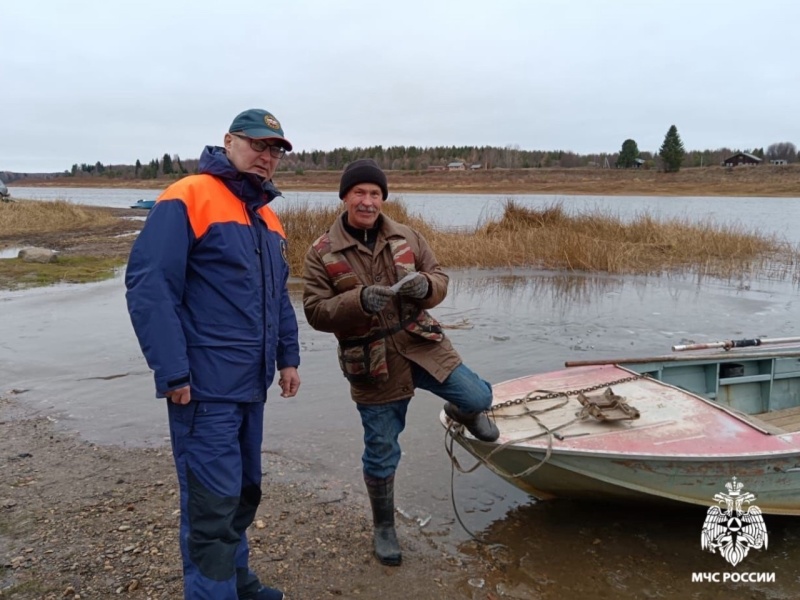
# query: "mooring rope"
455,429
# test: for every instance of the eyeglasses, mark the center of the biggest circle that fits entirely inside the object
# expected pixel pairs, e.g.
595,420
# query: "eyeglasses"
263,145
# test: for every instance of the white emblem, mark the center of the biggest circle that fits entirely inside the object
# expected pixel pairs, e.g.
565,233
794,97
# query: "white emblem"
731,530
284,251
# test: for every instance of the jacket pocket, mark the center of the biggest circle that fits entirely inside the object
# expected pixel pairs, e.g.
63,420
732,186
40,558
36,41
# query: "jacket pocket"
364,362
426,327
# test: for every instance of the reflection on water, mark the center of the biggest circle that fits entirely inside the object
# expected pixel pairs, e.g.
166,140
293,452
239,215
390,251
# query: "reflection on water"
573,550
94,380
558,289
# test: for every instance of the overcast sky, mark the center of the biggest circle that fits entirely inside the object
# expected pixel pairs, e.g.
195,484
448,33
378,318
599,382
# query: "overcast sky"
82,81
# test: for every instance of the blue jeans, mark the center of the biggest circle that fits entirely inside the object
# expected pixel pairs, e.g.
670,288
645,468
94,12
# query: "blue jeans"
383,423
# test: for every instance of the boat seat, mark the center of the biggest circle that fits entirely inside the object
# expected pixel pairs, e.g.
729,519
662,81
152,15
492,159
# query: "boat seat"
786,420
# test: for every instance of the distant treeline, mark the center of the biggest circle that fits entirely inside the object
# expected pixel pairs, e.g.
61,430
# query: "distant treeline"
414,158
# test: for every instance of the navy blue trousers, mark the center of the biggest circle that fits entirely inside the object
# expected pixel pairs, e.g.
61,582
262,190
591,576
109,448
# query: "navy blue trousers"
217,452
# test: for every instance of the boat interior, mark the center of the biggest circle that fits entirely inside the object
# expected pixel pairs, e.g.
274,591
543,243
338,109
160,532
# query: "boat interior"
763,388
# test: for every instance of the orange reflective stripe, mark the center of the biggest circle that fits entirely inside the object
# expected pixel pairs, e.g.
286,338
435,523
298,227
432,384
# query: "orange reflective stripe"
208,201
272,221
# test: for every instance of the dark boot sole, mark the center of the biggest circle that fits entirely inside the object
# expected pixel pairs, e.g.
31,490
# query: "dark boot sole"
390,562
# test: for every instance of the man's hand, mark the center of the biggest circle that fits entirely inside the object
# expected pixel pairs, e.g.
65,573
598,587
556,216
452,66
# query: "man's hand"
375,297
289,381
182,395
415,288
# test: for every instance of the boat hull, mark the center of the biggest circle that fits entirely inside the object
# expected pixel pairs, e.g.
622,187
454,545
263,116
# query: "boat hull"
144,204
681,440
774,480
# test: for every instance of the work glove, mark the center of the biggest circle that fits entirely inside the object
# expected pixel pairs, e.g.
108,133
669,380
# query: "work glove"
415,288
375,297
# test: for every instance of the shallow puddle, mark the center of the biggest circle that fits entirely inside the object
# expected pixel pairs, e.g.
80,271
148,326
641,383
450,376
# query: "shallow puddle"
9,252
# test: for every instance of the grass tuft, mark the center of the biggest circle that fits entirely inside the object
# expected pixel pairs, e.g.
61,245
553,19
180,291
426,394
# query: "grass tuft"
27,222
31,216
16,273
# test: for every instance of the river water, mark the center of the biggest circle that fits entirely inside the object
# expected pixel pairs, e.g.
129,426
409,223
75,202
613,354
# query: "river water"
73,350
775,215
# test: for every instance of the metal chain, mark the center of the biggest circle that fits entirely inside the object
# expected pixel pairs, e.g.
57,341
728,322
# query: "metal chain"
454,430
566,393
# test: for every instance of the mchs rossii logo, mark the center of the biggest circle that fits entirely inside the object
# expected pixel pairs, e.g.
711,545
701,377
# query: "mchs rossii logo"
733,529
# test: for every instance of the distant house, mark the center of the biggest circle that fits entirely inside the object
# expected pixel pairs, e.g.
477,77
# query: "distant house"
638,163
741,158
779,161
476,166
457,165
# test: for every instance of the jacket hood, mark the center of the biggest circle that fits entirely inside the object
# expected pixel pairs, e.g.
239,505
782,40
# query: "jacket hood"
248,187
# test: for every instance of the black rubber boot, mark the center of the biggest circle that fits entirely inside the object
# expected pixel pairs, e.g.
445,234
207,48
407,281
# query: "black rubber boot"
381,497
479,424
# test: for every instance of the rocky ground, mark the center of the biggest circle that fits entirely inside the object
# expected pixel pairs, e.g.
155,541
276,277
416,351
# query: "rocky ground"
79,520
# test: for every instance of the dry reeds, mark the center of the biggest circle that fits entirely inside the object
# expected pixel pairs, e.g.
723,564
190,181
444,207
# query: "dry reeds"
551,238
304,224
547,238
29,216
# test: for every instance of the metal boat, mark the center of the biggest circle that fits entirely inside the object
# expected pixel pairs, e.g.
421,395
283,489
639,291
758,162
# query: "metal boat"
674,428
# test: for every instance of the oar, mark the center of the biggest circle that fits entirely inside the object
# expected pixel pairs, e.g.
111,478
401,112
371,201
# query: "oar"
728,344
671,358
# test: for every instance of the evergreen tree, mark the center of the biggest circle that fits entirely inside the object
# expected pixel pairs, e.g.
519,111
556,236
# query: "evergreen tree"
166,164
137,168
672,151
628,155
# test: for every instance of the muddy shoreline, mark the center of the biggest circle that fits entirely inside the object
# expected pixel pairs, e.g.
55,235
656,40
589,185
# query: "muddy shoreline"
80,520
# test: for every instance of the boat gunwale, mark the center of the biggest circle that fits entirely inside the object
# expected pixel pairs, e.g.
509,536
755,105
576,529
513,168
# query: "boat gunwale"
524,447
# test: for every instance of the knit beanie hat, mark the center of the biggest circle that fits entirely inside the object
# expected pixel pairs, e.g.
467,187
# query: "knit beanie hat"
363,170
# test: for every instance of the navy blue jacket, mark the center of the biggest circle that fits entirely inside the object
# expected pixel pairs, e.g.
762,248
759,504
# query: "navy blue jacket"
206,283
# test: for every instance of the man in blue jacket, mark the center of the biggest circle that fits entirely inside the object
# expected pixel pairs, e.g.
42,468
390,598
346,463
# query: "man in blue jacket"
207,297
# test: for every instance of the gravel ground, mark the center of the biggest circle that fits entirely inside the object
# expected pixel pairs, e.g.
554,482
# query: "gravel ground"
79,520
